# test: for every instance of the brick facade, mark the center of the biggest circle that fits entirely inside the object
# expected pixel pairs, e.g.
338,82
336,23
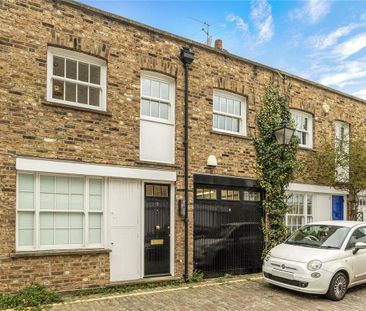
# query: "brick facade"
32,127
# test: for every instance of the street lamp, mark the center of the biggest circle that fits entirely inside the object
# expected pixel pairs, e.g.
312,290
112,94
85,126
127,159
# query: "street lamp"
284,133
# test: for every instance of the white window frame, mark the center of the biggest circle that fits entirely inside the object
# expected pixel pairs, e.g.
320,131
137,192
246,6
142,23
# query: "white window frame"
309,132
36,212
342,171
243,109
305,215
65,53
151,75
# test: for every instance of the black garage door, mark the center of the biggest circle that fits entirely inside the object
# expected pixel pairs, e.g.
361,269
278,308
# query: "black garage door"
227,226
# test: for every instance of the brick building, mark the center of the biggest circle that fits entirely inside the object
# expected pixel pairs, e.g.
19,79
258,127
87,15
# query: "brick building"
92,153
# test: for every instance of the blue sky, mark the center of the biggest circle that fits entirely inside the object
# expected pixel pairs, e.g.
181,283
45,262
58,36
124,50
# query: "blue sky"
321,40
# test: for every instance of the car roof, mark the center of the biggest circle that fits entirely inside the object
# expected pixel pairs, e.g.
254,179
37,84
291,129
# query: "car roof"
342,223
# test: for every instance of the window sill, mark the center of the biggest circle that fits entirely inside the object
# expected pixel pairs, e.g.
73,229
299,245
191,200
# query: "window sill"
59,252
47,103
161,164
306,148
231,134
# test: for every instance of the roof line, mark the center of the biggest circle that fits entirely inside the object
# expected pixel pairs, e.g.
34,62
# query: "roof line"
145,27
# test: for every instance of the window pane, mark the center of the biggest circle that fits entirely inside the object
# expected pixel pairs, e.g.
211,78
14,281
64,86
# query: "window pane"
149,190
77,185
25,237
164,191
83,72
164,91
26,182
94,96
76,221
47,201
236,196
163,111
47,184
82,94
155,89
145,107
145,87
58,89
95,202
221,122
58,66
70,92
26,200
25,220
71,69
62,201
230,106
94,74
223,105
61,220
61,236
95,186
235,125
154,109
214,121
95,220
46,220
229,123
237,108
62,185
46,236
157,191
76,236
95,236
223,194
77,202
216,103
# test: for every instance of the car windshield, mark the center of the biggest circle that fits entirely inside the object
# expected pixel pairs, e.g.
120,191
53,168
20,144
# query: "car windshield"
319,236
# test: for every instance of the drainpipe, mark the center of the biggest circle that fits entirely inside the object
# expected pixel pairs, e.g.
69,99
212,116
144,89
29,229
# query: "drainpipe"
187,57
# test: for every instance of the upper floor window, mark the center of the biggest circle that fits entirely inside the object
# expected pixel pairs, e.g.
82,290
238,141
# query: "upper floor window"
157,97
342,135
229,113
76,79
304,127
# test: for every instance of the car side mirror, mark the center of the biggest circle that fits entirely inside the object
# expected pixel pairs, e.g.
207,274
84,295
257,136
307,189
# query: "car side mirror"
358,246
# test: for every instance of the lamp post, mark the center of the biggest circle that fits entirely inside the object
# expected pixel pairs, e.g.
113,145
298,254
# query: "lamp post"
284,133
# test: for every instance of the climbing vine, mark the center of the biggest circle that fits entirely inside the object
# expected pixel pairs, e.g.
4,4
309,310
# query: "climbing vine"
276,165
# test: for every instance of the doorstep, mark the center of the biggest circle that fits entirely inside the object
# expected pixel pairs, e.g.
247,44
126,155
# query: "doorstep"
157,279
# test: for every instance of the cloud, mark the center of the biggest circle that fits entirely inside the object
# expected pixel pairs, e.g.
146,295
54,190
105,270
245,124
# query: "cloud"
239,22
360,93
312,11
261,15
351,46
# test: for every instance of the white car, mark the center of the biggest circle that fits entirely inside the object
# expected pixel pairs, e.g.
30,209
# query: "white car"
320,258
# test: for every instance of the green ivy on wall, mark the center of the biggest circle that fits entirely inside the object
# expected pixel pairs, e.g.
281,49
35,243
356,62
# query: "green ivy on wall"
276,165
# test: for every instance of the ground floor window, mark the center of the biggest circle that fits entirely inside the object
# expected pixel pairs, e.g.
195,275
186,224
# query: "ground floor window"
300,210
57,211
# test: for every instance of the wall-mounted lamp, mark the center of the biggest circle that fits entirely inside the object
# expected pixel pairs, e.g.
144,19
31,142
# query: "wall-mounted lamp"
211,161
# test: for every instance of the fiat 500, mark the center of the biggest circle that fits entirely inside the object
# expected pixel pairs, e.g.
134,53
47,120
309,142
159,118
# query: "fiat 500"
323,258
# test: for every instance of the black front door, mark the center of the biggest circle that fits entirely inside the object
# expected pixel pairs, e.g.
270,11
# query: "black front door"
157,229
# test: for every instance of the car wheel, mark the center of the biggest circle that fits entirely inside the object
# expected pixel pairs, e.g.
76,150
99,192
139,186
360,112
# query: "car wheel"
338,287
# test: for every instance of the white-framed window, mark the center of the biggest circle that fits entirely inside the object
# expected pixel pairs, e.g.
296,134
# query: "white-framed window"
342,144
300,210
229,113
76,79
304,127
157,97
58,211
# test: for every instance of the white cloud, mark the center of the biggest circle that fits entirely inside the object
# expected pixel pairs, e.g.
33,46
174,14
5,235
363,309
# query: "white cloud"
312,11
261,15
360,93
351,46
240,24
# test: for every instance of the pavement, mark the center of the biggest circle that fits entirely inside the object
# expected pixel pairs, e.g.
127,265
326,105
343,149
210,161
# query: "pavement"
244,293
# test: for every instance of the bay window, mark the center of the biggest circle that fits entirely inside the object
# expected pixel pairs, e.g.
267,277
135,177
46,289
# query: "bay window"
300,210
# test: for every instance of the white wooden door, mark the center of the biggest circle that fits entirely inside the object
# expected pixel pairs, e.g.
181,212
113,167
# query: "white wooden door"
125,221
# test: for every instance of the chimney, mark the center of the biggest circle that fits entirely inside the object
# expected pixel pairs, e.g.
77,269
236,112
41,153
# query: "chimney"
218,44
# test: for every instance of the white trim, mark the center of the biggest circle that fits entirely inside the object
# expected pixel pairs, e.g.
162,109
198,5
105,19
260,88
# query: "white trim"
315,189
77,168
309,131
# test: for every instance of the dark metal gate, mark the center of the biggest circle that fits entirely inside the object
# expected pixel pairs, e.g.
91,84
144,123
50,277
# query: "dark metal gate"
157,229
227,228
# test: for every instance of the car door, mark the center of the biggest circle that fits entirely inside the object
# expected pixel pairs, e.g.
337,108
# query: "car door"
358,260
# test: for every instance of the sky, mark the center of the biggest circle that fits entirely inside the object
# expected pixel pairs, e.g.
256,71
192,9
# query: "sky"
320,40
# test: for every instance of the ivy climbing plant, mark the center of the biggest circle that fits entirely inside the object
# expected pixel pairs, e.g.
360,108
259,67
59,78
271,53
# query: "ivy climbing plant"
276,165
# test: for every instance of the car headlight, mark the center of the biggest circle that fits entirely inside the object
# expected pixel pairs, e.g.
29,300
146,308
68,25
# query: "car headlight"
314,265
267,257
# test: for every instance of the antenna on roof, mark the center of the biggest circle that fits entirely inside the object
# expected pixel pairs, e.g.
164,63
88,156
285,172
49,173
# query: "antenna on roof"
205,29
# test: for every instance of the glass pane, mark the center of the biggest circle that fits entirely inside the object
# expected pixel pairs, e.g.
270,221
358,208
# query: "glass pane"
25,237
25,220
76,236
62,201
58,89
145,87
95,220
164,191
157,191
46,220
61,236
61,220
236,196
95,202
230,195
149,190
26,200
163,111
62,185
46,236
77,185
94,74
94,96
154,109
76,221
213,194
164,91
83,72
145,107
199,193
26,182
47,201
70,92
77,202
214,121
223,194
95,236
223,104
237,108
221,122
229,123
230,106
235,125
155,89
216,103
47,184
71,69
82,94
95,186
58,66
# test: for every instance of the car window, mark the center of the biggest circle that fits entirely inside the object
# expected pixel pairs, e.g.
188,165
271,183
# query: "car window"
358,235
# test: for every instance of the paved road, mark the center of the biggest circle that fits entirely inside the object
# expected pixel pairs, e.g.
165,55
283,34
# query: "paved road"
237,295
